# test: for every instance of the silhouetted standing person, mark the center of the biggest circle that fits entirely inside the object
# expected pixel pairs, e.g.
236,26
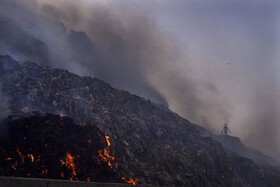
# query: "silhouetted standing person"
225,130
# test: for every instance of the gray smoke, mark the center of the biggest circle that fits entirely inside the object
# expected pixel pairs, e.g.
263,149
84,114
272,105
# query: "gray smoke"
210,73
263,121
234,45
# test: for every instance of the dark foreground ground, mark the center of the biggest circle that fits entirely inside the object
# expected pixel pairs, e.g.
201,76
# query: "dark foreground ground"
24,182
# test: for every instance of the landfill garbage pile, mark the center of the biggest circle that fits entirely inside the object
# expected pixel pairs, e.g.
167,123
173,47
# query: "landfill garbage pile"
256,175
234,145
152,144
53,146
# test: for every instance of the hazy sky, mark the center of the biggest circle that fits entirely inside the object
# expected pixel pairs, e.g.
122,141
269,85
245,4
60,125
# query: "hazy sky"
233,45
231,51
212,61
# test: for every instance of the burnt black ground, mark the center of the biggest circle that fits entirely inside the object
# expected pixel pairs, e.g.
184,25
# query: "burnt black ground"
49,138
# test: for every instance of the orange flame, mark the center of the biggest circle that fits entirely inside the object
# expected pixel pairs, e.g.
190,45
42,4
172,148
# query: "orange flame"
105,153
31,157
108,141
130,181
70,164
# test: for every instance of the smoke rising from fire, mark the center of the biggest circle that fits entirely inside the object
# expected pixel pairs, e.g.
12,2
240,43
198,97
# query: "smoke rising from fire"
208,62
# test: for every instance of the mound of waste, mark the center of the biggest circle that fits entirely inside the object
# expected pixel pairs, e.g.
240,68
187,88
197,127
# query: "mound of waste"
141,141
53,146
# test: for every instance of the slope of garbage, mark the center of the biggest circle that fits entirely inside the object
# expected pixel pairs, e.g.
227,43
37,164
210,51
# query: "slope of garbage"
151,144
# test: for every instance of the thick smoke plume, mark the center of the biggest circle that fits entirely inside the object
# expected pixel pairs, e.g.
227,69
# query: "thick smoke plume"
128,50
132,50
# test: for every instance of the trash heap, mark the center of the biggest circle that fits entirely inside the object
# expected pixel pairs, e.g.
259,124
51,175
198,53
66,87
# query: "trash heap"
53,146
150,143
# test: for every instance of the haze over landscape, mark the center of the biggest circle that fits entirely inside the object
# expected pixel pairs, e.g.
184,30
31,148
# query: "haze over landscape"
209,61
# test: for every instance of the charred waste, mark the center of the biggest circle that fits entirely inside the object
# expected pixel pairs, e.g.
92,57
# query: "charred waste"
53,146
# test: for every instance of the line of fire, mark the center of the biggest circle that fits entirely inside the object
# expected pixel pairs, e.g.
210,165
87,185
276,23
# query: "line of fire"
53,146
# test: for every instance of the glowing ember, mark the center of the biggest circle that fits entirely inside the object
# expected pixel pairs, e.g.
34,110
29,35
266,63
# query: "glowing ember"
130,180
31,157
14,166
62,174
69,162
20,155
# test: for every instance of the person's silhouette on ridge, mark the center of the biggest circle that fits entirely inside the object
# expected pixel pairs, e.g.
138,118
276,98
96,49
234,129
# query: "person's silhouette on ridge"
225,130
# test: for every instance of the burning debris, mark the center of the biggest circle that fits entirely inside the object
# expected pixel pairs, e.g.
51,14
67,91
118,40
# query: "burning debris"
69,162
52,146
130,180
105,154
